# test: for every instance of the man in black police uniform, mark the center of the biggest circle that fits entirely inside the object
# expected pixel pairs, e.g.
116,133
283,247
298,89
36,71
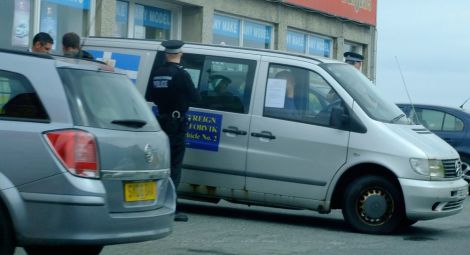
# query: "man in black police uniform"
354,59
172,89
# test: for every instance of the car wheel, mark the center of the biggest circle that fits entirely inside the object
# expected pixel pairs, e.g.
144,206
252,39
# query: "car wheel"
374,205
69,250
7,240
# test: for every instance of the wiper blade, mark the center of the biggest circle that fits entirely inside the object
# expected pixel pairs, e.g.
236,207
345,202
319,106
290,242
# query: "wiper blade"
397,118
130,123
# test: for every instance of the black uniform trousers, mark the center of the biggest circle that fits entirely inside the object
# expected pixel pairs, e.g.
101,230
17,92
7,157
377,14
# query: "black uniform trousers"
176,129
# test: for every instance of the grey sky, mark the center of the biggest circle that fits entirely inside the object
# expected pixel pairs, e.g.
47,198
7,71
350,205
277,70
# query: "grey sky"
431,40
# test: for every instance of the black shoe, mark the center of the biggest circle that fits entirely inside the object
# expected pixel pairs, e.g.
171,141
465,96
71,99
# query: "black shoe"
181,217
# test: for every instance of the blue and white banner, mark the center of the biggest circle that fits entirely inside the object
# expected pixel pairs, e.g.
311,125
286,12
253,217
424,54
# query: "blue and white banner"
127,62
226,26
319,46
296,41
257,32
152,17
203,131
80,4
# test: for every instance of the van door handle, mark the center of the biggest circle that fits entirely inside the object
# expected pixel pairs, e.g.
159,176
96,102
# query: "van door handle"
234,130
264,134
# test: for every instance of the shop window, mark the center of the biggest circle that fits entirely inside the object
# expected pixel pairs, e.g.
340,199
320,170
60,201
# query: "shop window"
122,17
309,43
296,42
227,31
353,47
58,17
320,46
152,23
16,23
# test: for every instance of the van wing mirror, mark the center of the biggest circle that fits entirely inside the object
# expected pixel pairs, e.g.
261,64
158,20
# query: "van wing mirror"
339,117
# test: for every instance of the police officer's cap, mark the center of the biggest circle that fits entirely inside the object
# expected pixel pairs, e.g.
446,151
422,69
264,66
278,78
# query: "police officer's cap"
353,56
173,46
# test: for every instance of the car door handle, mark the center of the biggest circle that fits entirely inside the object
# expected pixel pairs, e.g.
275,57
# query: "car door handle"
234,130
264,134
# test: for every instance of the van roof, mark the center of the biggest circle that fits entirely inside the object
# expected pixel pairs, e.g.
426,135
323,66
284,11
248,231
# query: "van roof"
62,61
147,44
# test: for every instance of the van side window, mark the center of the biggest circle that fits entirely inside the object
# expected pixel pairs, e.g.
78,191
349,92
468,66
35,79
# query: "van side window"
298,94
225,84
18,100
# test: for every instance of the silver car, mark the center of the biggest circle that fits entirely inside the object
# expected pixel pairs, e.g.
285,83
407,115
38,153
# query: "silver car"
83,160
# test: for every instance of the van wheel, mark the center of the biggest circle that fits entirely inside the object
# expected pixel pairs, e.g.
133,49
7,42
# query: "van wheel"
372,204
7,240
61,250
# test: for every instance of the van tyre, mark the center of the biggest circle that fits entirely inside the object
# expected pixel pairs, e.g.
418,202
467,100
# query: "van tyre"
7,240
63,250
374,205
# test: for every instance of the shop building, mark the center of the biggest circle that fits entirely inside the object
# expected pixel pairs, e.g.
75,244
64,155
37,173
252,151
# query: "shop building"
325,28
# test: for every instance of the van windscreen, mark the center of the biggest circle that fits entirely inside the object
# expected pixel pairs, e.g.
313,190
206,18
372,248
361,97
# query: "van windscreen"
106,100
365,93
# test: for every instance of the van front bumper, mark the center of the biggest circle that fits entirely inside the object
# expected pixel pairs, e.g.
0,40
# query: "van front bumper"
425,200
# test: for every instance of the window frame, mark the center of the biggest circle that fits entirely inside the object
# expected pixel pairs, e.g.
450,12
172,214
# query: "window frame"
307,37
242,21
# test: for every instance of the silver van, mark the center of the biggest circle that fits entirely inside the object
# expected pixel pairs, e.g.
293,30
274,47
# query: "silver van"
300,132
83,160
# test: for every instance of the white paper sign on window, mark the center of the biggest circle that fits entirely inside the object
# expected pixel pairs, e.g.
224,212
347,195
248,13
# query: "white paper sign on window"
275,93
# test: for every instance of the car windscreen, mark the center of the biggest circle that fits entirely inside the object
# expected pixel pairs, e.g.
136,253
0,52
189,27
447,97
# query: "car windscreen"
365,93
106,100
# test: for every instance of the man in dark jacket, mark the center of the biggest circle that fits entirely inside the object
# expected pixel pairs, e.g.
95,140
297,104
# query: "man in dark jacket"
172,90
71,47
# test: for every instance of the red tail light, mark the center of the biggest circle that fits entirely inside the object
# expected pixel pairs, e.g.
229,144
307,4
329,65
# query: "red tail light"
77,151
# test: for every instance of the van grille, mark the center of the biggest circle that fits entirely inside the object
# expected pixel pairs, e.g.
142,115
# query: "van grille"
452,168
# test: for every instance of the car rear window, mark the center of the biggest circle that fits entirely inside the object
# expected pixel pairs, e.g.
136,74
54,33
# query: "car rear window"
106,100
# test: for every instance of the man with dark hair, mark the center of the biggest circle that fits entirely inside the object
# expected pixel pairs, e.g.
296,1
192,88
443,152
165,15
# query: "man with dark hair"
71,47
172,90
42,43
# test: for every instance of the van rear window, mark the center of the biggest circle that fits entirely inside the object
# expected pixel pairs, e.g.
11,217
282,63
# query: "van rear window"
106,100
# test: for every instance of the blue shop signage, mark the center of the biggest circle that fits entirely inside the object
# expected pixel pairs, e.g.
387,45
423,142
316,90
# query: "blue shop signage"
226,26
80,4
295,41
319,46
203,131
256,32
152,17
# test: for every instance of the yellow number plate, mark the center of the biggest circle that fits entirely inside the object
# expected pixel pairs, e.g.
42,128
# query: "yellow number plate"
140,191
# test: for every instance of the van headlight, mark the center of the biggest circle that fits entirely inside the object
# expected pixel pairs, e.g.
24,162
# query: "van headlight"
428,167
